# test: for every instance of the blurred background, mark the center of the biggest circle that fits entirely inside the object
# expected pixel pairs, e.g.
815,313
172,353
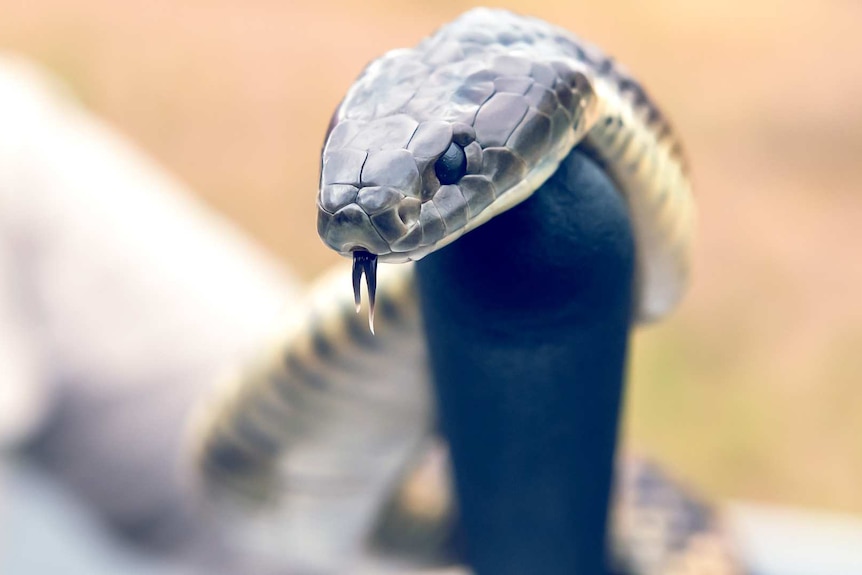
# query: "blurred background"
753,389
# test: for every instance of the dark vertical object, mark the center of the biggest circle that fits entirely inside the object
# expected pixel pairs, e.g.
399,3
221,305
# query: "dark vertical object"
527,320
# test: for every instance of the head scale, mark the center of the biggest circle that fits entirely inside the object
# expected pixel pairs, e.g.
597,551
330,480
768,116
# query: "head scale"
433,140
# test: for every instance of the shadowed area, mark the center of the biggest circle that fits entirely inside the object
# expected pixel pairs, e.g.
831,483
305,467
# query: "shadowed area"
527,320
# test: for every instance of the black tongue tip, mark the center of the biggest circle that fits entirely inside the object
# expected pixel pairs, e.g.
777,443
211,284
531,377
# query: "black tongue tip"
365,262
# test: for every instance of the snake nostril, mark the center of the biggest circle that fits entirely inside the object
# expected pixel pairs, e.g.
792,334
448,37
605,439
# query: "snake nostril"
408,211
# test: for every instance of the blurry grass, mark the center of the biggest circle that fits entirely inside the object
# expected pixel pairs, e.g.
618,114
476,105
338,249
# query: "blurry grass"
753,388
733,431
713,428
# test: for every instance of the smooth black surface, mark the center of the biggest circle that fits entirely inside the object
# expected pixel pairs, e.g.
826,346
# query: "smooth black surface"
527,320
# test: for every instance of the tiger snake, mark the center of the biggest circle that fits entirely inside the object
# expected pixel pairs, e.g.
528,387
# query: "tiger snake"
429,143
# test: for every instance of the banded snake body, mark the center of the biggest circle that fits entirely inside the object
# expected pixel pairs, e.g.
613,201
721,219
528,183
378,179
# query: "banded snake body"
429,143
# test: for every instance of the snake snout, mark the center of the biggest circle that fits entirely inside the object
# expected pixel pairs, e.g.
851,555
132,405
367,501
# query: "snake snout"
348,229
380,220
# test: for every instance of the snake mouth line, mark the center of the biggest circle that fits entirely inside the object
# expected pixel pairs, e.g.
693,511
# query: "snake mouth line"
365,263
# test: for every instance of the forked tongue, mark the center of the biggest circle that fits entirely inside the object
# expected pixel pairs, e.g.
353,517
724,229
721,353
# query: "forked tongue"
364,262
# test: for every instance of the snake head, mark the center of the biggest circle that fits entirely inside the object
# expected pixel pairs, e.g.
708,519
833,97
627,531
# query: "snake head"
402,187
432,141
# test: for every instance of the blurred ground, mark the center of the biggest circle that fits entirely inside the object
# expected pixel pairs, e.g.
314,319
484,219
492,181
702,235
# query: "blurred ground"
752,389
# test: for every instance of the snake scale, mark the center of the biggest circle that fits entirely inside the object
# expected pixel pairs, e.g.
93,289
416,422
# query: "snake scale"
429,143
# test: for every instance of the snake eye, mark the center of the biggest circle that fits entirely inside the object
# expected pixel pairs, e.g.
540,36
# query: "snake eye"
452,165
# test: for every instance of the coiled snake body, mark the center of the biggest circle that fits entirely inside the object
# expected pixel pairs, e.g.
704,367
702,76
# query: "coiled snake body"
429,143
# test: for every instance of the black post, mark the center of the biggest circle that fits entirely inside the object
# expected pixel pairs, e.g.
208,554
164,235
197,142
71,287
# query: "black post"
527,320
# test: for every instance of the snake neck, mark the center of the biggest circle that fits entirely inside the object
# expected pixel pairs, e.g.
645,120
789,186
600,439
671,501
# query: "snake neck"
527,321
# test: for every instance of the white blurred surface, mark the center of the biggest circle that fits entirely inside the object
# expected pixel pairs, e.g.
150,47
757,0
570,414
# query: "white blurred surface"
45,531
105,257
123,302
786,541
